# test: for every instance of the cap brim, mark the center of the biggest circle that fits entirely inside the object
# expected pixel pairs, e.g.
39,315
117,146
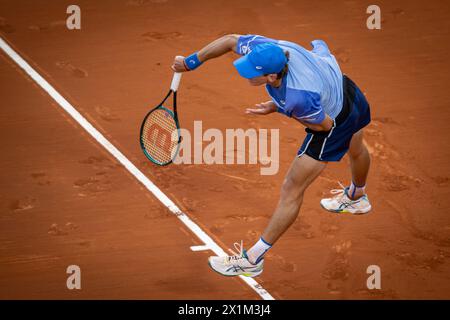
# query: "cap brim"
245,68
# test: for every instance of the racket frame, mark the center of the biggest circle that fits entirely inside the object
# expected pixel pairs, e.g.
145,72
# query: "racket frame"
174,114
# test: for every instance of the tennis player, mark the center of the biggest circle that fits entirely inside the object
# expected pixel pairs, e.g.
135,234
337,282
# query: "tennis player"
308,86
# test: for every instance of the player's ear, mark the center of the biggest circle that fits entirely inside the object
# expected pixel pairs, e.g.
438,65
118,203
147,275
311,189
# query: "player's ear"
272,77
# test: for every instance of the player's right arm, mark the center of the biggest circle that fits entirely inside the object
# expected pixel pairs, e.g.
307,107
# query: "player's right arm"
213,50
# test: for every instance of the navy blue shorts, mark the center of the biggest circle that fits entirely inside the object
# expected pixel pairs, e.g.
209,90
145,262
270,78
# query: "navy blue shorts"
332,145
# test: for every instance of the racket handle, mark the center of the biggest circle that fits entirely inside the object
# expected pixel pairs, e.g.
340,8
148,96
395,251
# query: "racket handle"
175,81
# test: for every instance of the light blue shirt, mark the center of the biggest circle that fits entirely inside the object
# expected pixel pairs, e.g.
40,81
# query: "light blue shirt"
313,84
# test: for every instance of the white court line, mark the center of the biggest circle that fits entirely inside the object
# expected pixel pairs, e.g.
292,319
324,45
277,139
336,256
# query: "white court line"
125,162
200,248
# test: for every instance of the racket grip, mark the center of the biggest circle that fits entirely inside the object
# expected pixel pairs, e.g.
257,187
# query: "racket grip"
175,81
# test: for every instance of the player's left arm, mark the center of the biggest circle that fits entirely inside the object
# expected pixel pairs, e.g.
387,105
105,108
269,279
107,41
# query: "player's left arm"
305,106
262,108
325,125
268,107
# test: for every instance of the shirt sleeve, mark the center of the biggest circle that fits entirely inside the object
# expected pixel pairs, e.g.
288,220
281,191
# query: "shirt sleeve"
304,106
320,48
246,43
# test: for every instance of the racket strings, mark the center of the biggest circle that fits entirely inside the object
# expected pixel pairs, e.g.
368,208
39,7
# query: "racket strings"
160,136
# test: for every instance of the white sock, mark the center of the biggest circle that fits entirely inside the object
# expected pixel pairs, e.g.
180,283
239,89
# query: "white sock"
355,191
256,253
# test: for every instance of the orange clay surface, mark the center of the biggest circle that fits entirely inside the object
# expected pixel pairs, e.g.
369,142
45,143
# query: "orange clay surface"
64,200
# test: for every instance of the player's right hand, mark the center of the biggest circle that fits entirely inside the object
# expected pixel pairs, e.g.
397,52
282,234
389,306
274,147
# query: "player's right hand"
178,64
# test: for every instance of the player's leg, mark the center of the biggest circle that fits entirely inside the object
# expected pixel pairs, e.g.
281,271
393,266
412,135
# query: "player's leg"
353,199
359,164
303,171
348,138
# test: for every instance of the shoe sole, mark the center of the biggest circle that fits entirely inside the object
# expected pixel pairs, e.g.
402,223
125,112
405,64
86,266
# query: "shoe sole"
357,212
250,275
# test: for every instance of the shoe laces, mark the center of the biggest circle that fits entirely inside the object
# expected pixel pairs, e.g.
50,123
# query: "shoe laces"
340,194
237,257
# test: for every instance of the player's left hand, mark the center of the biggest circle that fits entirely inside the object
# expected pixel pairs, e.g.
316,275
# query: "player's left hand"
262,108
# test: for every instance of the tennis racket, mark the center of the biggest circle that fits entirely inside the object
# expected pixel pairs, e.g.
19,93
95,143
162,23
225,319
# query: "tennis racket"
160,131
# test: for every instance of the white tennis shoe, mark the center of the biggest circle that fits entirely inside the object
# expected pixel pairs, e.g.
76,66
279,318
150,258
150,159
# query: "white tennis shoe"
236,265
342,203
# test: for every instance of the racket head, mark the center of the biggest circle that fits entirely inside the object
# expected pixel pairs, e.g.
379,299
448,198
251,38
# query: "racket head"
160,136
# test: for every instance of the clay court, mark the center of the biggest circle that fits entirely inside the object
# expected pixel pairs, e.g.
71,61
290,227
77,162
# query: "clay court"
65,200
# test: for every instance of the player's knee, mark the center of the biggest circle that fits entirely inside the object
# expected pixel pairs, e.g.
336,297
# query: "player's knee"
357,146
357,150
292,187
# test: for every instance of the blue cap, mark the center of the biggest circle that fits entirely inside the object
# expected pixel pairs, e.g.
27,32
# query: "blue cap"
264,59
